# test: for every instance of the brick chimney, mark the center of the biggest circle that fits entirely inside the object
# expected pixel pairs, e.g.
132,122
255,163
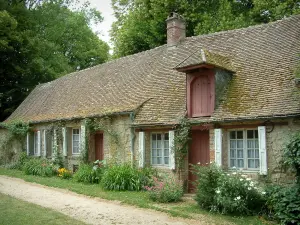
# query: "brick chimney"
175,29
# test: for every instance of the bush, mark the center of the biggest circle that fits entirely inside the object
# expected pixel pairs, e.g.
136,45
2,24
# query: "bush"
283,203
19,163
64,173
125,177
89,174
40,167
206,184
227,193
167,189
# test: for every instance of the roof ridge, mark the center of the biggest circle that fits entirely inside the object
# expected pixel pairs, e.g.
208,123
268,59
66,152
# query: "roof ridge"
254,26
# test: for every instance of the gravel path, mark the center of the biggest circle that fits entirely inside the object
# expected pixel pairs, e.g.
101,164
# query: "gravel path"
86,209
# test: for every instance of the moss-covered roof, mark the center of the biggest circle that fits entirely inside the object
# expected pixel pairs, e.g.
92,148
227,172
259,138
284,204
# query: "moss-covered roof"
263,58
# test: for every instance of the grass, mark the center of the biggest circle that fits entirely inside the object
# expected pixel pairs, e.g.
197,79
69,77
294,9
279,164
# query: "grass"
185,209
14,211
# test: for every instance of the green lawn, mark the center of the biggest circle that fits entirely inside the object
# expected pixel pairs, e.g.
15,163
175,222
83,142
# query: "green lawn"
186,208
15,212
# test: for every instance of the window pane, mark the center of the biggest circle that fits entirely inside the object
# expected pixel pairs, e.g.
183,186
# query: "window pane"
240,163
166,144
250,144
256,163
167,160
251,163
250,153
240,144
256,153
158,136
232,162
166,136
250,134
158,143
256,143
166,152
232,135
232,153
159,152
154,160
256,133
153,137
158,160
239,134
240,153
232,144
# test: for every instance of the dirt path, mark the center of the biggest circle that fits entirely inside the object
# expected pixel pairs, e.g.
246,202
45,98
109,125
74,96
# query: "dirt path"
86,209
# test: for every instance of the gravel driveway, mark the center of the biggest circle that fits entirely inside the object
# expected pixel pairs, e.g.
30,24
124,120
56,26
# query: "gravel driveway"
87,209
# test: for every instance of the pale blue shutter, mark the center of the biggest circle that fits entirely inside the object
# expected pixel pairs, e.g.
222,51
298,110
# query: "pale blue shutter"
65,141
141,149
171,150
28,143
39,143
218,147
263,168
82,138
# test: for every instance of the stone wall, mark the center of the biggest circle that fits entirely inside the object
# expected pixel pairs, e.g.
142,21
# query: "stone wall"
10,147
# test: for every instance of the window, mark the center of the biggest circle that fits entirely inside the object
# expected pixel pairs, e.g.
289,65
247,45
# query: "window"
36,143
244,149
160,149
75,141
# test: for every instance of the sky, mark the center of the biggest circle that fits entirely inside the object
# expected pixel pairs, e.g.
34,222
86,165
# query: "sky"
104,6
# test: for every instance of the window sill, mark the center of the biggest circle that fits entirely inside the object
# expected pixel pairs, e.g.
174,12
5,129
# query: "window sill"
161,166
243,170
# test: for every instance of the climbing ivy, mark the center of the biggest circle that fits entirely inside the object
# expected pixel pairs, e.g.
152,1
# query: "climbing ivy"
17,128
181,142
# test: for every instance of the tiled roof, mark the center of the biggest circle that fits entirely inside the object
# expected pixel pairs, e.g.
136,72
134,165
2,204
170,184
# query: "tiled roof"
263,58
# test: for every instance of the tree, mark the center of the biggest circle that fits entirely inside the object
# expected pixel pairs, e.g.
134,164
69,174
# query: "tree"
141,24
40,41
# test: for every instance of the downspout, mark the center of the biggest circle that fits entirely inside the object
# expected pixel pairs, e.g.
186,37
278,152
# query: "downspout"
132,138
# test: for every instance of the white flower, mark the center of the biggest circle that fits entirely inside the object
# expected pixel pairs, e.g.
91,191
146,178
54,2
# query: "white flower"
198,163
243,175
234,173
218,191
234,167
237,198
228,174
241,179
248,178
251,184
263,193
249,188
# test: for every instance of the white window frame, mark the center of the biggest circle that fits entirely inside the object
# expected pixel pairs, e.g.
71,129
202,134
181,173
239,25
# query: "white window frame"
76,153
163,152
245,153
35,143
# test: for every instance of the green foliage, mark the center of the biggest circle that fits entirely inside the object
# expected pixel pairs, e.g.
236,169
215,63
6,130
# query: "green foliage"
291,155
89,174
40,167
166,189
22,158
17,128
283,203
207,184
227,193
41,43
141,24
64,173
181,142
121,177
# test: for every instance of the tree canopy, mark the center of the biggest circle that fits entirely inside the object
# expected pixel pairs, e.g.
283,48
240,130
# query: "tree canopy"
43,40
141,24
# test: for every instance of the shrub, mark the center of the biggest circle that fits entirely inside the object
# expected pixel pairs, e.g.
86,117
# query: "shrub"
125,177
64,173
166,189
19,163
40,167
88,173
283,203
237,194
206,184
227,193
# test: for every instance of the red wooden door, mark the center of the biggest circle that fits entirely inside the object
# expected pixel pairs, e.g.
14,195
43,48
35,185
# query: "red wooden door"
198,153
99,146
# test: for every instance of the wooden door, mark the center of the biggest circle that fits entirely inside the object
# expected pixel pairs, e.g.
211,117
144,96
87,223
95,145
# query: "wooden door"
99,146
198,153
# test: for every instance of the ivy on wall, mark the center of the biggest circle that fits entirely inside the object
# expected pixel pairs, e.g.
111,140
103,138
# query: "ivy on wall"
181,142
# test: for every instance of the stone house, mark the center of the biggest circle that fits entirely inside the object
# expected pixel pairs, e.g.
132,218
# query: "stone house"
236,88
